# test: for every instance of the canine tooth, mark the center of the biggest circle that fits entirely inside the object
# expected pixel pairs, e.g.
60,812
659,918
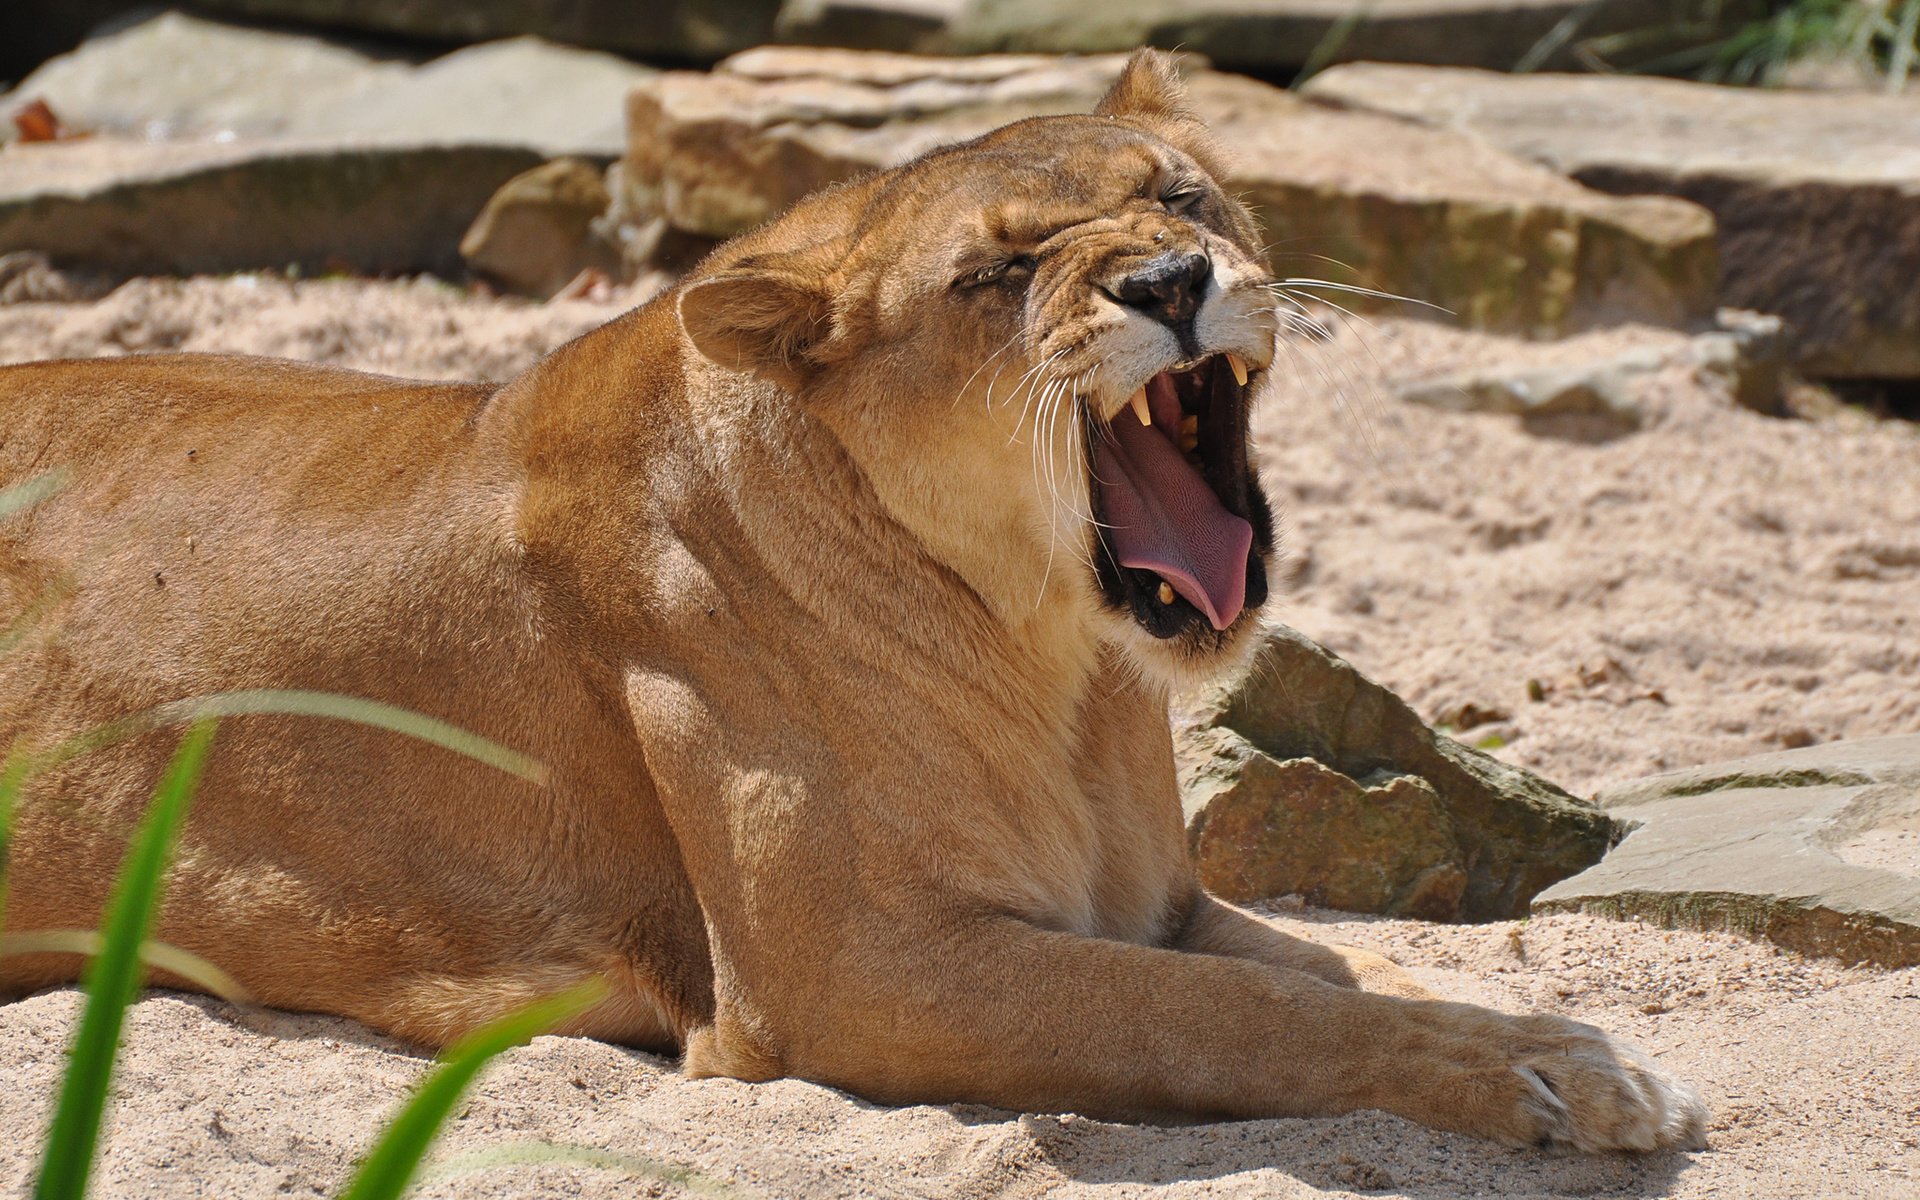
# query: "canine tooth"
1239,369
1140,407
1166,592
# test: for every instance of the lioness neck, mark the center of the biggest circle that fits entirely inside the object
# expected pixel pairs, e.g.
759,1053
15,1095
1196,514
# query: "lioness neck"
682,477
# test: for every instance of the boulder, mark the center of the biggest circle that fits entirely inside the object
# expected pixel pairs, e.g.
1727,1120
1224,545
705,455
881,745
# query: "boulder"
1817,196
522,91
206,207
1598,399
1267,37
684,30
1380,203
915,26
537,233
1815,850
1306,777
180,76
176,76
1281,36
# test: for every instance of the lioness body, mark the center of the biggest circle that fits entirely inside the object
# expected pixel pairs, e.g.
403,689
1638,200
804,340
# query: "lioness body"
856,773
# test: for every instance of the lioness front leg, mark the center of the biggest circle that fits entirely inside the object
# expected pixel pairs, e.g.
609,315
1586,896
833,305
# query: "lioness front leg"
1570,1074
1003,1013
1219,928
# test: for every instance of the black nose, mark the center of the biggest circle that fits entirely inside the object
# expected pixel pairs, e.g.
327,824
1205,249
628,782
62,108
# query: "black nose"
1167,287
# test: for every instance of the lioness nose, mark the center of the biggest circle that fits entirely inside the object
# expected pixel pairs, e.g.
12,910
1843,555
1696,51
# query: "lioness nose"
1168,287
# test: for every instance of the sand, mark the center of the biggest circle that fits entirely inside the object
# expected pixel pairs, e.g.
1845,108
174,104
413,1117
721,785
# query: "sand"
1717,584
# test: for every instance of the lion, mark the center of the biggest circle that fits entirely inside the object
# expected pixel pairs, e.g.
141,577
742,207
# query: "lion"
840,589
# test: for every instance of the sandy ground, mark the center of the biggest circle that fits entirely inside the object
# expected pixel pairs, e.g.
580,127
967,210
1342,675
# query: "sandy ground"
1718,584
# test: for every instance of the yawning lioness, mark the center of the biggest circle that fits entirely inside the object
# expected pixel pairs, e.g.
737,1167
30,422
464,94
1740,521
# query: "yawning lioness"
839,589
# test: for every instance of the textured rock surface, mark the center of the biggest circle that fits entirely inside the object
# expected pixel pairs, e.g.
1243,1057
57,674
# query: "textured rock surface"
180,76
175,76
1354,198
537,232
519,92
1817,196
1815,850
1307,777
1272,37
693,30
187,208
1594,400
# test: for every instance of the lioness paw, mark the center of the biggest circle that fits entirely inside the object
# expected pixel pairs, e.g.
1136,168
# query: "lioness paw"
1576,1088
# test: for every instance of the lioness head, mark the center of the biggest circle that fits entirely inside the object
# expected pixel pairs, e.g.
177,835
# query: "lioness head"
1040,347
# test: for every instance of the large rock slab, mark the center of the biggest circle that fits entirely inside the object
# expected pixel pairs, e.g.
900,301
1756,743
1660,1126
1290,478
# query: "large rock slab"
180,76
203,207
1282,35
517,92
1271,37
1817,196
1308,778
1381,203
1815,850
1597,400
685,30
176,76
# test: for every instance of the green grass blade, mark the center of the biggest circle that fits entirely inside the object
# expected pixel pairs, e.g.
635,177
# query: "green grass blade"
533,1154
1333,41
114,978
364,712
30,493
14,770
389,1168
292,702
161,956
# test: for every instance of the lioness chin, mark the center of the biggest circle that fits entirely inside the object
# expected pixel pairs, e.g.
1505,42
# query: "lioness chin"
840,590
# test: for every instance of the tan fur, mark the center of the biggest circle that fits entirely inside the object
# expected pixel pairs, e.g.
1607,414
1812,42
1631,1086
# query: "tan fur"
785,577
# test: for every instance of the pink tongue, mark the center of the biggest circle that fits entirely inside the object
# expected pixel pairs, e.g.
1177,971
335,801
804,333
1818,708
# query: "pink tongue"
1165,519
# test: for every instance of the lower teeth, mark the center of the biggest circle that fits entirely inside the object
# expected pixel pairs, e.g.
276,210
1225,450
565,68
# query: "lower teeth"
1166,592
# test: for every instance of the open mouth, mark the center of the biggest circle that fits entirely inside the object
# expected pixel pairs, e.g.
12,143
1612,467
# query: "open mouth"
1182,525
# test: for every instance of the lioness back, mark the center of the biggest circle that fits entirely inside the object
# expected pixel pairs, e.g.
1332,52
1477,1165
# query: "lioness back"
220,524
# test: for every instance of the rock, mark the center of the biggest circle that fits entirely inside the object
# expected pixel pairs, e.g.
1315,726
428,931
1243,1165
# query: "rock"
915,26
202,207
1597,396
1282,35
1307,777
1440,217
1817,196
1597,400
1814,850
537,233
520,92
179,76
176,76
719,153
1271,37
684,30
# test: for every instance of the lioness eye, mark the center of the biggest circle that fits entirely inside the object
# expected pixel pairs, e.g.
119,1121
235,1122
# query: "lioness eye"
995,272
1180,201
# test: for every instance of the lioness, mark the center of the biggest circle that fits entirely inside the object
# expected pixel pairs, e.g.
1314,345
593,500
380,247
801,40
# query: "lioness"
840,589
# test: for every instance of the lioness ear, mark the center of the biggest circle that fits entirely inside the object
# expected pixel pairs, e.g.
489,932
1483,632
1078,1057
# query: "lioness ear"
764,320
1151,93
1149,89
